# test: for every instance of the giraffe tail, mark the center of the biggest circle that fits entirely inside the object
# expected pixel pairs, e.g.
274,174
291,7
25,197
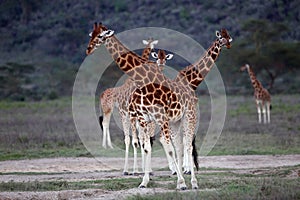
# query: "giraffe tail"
270,106
100,122
195,153
151,140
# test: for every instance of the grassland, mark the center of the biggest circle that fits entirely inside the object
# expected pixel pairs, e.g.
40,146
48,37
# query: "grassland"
46,129
272,183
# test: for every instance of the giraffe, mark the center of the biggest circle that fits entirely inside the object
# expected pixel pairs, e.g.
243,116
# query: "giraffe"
261,95
143,72
188,79
157,98
161,57
204,65
195,73
118,96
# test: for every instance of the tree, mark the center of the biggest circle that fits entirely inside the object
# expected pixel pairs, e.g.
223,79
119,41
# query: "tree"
265,48
15,81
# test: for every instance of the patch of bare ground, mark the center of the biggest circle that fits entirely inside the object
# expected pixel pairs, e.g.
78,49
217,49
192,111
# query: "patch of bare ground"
82,169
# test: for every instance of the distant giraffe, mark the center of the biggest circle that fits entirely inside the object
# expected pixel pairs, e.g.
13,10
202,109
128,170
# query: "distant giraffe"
261,95
119,96
158,98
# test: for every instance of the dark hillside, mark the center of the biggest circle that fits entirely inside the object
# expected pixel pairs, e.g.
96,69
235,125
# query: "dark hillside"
51,37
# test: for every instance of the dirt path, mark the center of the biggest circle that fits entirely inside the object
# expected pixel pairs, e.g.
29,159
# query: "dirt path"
78,169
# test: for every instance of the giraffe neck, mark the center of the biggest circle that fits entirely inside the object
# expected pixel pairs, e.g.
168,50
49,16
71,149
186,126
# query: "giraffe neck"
125,59
146,52
256,84
195,73
132,64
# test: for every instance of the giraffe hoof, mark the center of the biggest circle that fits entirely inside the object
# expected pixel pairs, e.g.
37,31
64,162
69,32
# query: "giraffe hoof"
142,186
183,188
187,172
174,173
125,173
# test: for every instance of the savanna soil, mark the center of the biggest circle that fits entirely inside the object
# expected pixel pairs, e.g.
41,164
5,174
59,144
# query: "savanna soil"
83,169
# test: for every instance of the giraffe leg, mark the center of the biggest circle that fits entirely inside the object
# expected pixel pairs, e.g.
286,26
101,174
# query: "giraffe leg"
146,146
268,112
189,127
186,161
258,111
126,127
190,159
177,140
105,124
135,145
109,139
170,149
264,112
169,158
151,130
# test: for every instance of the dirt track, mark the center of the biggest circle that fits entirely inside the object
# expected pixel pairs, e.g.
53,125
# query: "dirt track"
79,169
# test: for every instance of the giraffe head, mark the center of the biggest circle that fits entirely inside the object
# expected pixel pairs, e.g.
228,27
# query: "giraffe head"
151,42
224,38
161,57
98,36
244,67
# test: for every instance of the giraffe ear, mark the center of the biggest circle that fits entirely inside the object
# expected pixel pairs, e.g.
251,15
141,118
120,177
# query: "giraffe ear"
109,33
154,55
155,42
90,34
169,56
145,42
218,34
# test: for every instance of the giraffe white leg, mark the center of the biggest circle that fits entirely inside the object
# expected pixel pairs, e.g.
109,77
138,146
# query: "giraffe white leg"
104,137
169,158
105,124
189,127
146,146
190,159
268,112
126,127
170,149
177,138
141,139
127,143
180,180
264,112
258,111
186,162
109,139
151,131
135,145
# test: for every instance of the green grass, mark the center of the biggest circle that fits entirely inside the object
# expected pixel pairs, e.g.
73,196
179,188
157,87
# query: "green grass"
272,183
107,184
31,153
46,129
237,186
255,144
